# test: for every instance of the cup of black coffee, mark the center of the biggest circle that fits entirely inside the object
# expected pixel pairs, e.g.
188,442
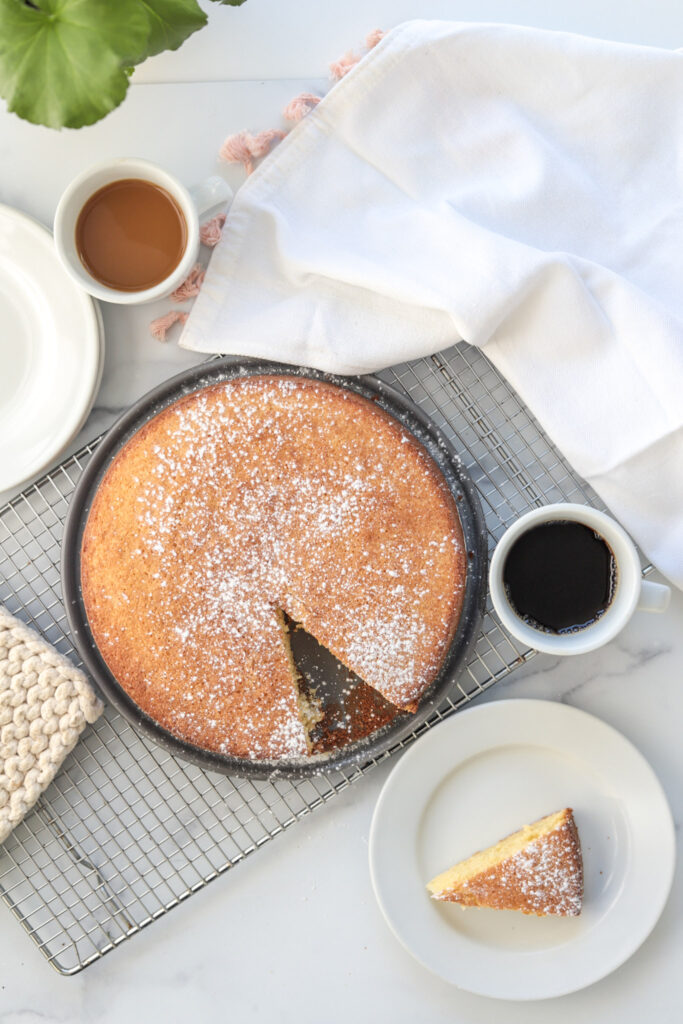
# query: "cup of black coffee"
566,579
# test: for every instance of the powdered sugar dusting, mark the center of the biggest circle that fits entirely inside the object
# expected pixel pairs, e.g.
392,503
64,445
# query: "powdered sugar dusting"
544,878
260,494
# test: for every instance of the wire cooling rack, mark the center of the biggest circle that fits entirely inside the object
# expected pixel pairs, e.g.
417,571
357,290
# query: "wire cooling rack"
126,831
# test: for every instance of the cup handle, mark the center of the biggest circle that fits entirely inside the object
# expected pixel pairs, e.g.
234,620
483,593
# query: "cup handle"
654,597
211,192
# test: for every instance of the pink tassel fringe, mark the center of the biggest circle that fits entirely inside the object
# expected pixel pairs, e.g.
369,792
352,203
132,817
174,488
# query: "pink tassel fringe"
210,233
189,289
159,327
341,67
301,105
244,148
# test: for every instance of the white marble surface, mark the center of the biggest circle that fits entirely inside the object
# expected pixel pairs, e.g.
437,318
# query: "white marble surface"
294,933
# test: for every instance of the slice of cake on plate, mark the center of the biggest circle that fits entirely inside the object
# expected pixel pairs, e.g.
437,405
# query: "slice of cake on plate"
537,870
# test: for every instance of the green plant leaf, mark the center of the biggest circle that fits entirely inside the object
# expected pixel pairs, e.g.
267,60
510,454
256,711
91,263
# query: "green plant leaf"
231,3
171,22
62,62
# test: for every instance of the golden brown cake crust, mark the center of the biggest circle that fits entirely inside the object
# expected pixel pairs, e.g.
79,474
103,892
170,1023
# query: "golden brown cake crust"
545,878
251,496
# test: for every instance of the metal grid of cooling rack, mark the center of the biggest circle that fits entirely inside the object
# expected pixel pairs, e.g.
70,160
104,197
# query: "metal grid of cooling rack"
126,831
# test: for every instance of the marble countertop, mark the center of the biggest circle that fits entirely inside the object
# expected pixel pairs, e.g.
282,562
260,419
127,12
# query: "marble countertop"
294,934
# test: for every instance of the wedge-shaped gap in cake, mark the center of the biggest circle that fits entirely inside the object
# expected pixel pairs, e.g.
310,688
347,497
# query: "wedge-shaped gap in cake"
337,707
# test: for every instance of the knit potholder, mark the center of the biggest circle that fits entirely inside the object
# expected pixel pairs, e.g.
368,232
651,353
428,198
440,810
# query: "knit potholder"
45,703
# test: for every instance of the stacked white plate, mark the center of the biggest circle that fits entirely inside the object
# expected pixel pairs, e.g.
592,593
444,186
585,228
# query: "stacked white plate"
51,351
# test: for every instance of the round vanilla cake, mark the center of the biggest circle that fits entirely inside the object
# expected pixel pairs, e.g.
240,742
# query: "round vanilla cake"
251,504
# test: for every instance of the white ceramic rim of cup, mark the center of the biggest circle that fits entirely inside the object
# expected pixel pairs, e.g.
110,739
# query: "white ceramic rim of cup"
76,195
622,605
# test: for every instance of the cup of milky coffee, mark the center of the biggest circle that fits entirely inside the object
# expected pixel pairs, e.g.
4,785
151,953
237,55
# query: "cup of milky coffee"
127,231
565,579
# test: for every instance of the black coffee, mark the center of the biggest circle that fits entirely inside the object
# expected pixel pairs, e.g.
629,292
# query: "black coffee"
560,576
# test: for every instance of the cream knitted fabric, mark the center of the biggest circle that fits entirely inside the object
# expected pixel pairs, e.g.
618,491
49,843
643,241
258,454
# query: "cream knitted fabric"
45,704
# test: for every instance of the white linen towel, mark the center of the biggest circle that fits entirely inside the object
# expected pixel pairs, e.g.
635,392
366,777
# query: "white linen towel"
518,189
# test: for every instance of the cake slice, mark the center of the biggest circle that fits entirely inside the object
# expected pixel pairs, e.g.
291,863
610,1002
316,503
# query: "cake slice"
537,870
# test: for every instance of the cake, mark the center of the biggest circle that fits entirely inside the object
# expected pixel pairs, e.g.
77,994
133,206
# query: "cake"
250,504
537,870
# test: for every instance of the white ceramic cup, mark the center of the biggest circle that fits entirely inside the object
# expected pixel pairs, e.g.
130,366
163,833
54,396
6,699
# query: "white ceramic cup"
192,202
631,592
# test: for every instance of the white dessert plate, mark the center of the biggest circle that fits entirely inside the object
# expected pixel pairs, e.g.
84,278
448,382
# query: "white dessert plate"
481,775
50,350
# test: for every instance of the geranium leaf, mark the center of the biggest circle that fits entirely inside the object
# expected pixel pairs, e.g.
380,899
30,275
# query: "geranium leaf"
171,22
62,62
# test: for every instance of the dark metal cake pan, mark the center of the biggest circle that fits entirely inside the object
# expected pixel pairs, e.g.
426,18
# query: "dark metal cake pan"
457,480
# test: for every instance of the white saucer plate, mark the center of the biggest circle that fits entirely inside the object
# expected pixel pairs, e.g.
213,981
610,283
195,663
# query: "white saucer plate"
50,350
481,775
